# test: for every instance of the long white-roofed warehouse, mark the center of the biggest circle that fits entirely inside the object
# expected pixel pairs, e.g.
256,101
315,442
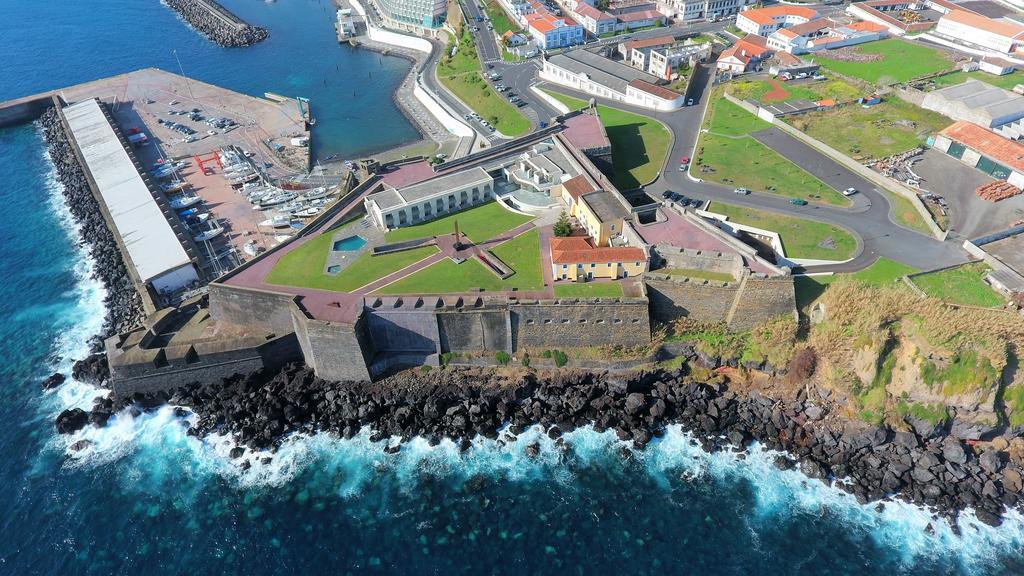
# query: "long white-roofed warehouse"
154,251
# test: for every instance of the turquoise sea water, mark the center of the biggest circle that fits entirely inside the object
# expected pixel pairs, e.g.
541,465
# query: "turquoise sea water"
148,499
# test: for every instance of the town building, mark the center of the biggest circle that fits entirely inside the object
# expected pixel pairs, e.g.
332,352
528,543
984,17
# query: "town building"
577,259
346,24
985,150
971,29
397,207
596,21
550,31
764,21
745,55
824,34
635,52
423,17
663,62
693,10
598,76
980,103
996,66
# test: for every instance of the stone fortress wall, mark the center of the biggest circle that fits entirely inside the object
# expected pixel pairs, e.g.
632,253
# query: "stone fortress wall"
742,304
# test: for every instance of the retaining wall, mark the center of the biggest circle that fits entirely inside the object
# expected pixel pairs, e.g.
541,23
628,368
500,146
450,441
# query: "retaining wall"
707,260
268,311
23,110
701,300
762,299
335,351
579,323
474,330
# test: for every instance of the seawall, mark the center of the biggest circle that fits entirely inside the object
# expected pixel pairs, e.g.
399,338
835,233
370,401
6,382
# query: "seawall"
217,23
24,110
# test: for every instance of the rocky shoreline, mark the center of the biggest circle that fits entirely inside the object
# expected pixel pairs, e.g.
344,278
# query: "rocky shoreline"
199,15
872,463
122,302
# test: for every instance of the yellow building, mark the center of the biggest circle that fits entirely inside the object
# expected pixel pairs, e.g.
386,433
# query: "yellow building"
577,260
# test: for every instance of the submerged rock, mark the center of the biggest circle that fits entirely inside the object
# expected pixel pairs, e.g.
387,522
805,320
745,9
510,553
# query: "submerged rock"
71,421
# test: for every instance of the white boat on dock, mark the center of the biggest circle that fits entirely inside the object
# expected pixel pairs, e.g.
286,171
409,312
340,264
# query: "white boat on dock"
278,221
308,212
276,200
316,193
182,202
209,234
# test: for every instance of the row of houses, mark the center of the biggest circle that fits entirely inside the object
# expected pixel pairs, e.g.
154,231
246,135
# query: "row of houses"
617,18
663,55
591,73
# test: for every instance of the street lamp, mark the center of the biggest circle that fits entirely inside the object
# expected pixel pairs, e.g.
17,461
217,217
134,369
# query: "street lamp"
182,70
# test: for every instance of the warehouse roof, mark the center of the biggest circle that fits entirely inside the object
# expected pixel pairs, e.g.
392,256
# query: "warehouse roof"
152,245
600,69
420,191
1007,152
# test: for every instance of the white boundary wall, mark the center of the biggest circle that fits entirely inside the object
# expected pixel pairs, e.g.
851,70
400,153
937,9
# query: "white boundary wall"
428,100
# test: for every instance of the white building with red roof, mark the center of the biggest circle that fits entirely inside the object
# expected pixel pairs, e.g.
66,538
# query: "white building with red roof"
824,34
744,55
765,21
969,28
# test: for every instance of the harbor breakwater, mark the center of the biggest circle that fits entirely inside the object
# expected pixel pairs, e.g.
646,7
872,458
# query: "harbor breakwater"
122,302
873,463
218,23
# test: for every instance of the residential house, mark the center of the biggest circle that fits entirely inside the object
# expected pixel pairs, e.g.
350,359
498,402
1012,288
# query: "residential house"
595,21
602,214
663,62
744,55
824,34
511,39
551,31
635,52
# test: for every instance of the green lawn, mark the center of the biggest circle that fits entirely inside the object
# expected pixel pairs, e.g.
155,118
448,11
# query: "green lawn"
639,143
522,253
756,90
738,160
889,128
905,213
900,61
960,285
588,290
883,271
304,266
461,74
800,238
1005,82
698,274
479,224
502,23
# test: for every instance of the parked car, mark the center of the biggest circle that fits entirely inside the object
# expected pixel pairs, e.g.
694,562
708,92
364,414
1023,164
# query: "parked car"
743,191
689,102
696,202
682,167
684,160
798,201
666,194
849,192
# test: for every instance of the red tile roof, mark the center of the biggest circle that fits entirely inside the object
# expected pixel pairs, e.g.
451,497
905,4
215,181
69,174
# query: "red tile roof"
866,26
750,46
585,132
649,42
765,16
989,143
577,187
640,15
663,93
578,250
587,11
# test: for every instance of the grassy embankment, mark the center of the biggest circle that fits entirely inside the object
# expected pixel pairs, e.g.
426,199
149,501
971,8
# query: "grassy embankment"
961,285
735,158
639,143
461,74
898,61
801,238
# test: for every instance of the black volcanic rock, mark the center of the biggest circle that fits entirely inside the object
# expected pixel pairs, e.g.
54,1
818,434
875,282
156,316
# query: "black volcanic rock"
71,421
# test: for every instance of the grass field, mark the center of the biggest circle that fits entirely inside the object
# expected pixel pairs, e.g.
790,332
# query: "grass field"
904,213
900,61
588,290
522,253
960,285
800,238
304,267
479,224
889,128
883,271
739,160
639,143
461,75
758,89
1005,82
502,23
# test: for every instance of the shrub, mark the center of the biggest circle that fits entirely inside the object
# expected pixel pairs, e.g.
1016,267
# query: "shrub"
446,357
425,368
802,365
560,358
546,354
526,360
502,357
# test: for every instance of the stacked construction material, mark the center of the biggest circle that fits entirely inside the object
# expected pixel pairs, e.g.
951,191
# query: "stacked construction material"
996,191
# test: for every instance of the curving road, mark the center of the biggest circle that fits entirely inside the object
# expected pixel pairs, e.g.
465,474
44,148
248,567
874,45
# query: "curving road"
868,218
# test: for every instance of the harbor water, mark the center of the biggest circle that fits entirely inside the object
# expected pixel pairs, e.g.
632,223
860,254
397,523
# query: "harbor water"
147,498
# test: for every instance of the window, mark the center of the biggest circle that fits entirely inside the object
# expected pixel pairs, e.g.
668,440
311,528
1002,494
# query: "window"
564,266
565,320
593,265
583,320
617,321
609,264
613,227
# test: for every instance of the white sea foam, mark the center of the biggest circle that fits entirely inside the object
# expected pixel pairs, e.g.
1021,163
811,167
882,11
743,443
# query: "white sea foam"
153,450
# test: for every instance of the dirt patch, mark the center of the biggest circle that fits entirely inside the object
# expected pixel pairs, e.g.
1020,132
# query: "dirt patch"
849,54
777,94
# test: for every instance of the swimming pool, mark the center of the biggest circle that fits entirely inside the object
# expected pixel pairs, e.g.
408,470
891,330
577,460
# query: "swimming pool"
349,244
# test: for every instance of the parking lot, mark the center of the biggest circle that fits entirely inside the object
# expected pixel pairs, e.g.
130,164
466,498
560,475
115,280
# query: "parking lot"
969,215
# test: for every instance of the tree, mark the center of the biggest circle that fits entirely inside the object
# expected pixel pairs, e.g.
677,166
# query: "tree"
601,5
562,227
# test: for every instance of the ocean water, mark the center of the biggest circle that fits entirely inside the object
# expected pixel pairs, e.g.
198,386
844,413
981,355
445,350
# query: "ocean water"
145,498
54,43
